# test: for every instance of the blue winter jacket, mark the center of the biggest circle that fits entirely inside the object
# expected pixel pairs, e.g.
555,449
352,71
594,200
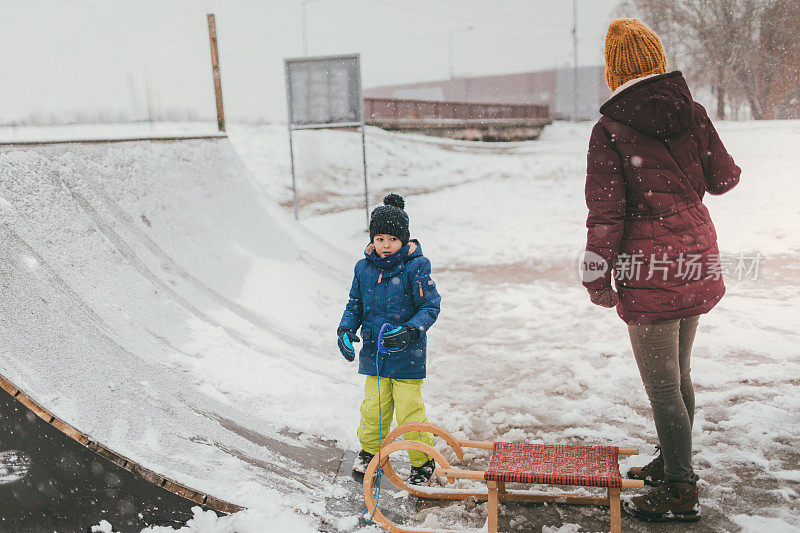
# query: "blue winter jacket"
397,289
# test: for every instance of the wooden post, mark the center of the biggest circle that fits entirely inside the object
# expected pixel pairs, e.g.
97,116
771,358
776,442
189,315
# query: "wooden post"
614,509
492,486
212,35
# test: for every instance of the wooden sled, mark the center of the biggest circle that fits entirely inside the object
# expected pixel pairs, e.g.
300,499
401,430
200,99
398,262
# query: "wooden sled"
589,466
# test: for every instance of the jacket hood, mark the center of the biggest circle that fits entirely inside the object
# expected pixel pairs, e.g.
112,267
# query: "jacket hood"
660,106
414,249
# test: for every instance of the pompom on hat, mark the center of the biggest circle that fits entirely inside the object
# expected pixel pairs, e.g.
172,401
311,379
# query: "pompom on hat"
390,219
632,50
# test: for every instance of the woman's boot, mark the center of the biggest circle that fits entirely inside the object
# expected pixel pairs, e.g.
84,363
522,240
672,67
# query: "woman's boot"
672,501
652,473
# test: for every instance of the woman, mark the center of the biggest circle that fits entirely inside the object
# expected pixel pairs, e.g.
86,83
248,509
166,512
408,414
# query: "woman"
652,156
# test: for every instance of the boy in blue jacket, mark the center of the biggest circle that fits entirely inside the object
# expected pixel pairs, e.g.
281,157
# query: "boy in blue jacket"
393,284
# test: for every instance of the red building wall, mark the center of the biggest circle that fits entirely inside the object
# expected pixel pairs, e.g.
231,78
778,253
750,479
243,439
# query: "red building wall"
522,88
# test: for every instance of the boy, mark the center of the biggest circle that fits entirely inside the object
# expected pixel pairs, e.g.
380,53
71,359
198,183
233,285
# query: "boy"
393,284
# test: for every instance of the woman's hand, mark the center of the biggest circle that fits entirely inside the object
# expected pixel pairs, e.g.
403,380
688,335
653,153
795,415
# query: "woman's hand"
605,297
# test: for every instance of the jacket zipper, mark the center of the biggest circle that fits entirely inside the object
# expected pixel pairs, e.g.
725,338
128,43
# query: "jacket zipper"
420,289
380,276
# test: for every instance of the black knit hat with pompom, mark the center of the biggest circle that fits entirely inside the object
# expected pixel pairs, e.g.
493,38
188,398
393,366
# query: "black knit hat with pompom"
390,219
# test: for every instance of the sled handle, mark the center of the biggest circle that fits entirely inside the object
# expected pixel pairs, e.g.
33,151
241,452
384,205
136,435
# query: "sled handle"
383,457
411,427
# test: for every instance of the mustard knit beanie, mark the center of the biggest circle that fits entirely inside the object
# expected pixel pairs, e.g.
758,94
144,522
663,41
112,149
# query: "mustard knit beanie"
632,50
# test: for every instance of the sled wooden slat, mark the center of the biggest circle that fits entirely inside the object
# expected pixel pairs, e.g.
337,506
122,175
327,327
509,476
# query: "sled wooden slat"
493,505
632,484
476,444
461,474
614,507
607,476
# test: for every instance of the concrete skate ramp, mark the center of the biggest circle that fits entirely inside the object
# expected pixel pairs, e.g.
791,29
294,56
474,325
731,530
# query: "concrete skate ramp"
51,482
151,298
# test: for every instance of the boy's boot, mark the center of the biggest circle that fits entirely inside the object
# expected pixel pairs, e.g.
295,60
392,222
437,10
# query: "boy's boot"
672,501
652,473
362,461
421,475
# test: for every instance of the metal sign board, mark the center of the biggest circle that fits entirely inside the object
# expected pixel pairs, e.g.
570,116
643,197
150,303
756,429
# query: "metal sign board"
324,91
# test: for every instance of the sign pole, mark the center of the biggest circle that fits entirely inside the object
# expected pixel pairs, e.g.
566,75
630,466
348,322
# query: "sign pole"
294,184
364,159
324,92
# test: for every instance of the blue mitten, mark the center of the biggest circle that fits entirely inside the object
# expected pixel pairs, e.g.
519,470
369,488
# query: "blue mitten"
345,342
399,338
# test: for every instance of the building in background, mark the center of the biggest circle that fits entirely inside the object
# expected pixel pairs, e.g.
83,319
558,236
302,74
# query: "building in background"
458,120
553,88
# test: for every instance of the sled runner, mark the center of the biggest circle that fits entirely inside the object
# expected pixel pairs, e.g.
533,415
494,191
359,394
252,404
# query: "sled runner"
544,464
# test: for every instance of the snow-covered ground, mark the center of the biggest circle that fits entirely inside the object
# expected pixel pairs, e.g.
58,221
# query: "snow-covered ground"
239,304
519,353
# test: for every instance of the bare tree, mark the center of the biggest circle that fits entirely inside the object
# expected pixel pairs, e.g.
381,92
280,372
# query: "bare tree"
733,46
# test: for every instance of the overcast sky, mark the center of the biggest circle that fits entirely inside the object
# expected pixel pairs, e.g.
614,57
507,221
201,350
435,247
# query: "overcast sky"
99,56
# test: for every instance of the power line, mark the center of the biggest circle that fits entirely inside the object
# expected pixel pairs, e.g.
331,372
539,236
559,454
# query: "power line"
511,17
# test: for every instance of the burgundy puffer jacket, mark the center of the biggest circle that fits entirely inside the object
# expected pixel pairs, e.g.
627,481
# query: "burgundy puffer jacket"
652,156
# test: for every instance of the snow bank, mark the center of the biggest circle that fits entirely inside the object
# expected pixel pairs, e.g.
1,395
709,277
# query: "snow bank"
520,354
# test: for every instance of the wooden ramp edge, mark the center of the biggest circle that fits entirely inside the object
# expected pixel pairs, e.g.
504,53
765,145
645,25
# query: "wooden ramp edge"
154,138
119,460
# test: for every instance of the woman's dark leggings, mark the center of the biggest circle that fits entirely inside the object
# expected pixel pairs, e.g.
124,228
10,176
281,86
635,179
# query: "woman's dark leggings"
662,352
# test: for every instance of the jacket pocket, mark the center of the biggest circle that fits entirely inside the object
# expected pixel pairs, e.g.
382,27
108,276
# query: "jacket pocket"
398,301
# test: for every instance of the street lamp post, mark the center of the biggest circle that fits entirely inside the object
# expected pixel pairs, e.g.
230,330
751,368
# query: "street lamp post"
305,32
574,60
450,47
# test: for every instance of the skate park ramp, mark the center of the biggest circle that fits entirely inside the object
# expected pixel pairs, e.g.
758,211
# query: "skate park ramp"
157,303
51,482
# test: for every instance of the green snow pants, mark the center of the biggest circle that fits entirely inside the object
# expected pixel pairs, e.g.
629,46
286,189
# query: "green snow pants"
403,396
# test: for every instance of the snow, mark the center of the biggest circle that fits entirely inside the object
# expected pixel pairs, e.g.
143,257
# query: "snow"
504,226
14,465
128,263
103,527
171,263
566,528
757,524
249,521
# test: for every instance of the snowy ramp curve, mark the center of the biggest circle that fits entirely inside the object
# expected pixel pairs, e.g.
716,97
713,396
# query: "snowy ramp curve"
155,300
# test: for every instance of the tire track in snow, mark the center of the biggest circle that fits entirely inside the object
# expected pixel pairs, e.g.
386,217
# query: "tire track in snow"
127,253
